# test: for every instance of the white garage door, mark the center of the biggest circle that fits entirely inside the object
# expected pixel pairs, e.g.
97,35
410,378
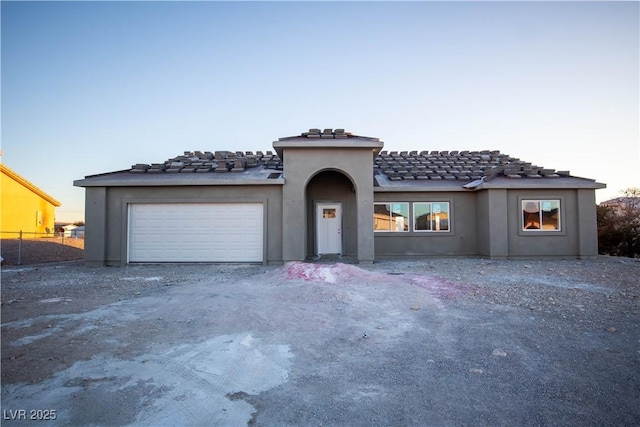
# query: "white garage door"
195,232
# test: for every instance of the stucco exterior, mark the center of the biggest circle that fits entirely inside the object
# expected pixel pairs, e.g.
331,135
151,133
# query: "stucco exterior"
487,223
24,207
302,161
462,240
483,217
107,245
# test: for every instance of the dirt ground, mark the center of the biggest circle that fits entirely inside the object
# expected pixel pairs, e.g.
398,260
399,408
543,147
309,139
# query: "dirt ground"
439,342
44,249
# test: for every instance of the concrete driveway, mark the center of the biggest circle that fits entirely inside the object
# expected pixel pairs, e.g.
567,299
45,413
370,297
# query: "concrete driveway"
441,342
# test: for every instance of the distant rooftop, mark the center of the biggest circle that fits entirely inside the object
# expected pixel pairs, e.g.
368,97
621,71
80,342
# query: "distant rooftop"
628,202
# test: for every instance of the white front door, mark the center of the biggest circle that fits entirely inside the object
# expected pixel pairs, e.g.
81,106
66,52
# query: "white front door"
329,228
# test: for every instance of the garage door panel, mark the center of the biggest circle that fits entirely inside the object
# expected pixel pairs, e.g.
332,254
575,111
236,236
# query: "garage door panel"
196,232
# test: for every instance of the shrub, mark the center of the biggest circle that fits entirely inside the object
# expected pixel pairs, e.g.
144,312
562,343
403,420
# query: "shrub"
619,225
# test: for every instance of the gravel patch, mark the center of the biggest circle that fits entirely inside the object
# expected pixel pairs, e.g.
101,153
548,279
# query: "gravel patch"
431,342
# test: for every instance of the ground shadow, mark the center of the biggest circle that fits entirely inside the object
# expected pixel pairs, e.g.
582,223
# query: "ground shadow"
35,251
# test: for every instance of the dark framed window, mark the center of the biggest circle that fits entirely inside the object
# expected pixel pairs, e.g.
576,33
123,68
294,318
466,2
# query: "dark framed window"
541,215
393,216
431,216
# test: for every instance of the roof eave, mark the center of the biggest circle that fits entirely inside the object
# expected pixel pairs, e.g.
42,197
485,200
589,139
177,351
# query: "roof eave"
31,187
355,142
181,180
542,183
498,183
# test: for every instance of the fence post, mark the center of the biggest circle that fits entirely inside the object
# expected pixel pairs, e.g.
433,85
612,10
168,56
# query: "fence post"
20,249
62,237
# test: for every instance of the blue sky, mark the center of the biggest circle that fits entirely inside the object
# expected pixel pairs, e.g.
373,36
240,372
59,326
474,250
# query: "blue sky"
92,87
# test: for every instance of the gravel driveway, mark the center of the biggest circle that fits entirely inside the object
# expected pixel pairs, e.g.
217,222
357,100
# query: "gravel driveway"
441,342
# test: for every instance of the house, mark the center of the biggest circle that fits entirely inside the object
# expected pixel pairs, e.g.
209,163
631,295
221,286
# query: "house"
25,207
65,230
330,192
78,232
622,205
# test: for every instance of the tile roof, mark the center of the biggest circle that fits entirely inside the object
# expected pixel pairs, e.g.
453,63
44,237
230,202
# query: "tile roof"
216,162
327,134
390,166
456,165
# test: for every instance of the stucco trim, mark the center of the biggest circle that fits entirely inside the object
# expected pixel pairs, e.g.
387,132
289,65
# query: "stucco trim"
571,183
171,180
348,143
332,169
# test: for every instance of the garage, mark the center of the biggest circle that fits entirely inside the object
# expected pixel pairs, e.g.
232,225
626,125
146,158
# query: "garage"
195,232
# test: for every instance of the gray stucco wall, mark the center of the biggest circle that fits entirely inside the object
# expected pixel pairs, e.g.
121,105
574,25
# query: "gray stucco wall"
556,243
483,214
333,186
493,233
489,223
106,215
563,243
484,222
588,223
300,165
95,217
460,241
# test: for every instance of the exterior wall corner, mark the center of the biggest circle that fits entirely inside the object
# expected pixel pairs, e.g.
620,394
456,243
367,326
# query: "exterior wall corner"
497,224
587,223
96,225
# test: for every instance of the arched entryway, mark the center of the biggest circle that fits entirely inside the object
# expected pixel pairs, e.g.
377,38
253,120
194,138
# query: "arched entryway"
331,202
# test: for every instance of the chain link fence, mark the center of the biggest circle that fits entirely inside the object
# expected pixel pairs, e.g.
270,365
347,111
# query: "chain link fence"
34,248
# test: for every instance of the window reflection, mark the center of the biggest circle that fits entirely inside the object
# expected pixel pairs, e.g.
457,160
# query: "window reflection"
432,216
391,216
541,215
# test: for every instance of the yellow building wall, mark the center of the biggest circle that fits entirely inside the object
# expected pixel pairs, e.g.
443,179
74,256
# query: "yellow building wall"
22,209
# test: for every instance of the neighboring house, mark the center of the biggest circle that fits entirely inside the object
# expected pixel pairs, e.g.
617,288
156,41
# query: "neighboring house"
78,232
331,192
24,207
622,205
65,230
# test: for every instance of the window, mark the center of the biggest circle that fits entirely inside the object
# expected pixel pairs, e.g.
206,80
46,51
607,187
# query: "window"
542,215
328,213
391,216
431,216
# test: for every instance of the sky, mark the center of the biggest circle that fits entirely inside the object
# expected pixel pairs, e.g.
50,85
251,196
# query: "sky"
94,87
